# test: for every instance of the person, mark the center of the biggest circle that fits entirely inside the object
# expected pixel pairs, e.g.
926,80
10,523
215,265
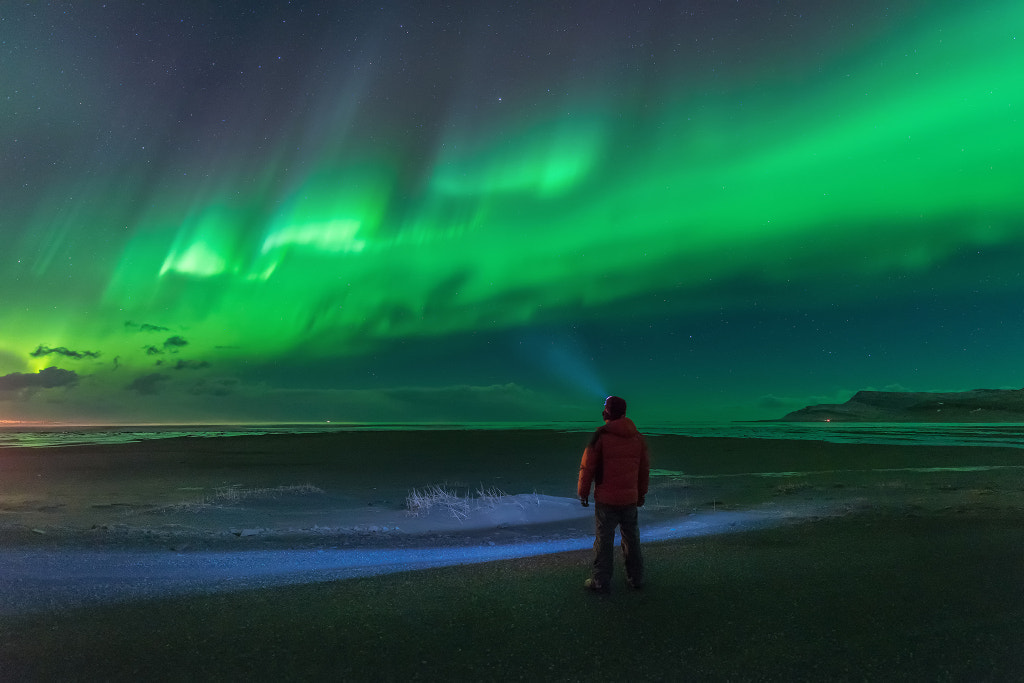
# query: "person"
617,463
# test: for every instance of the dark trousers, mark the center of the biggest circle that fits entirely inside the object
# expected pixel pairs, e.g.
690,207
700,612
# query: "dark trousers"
607,518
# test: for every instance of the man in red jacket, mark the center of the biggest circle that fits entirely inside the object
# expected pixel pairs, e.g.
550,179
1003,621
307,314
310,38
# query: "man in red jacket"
616,462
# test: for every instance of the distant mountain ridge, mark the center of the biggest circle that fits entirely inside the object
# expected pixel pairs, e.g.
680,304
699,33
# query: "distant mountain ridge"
979,405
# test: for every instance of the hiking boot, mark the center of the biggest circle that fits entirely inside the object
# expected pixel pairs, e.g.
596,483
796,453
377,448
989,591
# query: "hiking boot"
635,585
596,586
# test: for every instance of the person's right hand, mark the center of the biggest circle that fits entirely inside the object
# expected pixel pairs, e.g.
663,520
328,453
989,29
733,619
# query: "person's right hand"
585,501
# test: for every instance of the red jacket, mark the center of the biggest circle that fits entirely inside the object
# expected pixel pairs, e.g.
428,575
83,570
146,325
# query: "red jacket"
616,461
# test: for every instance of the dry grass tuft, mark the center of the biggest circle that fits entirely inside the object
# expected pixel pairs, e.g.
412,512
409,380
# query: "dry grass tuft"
420,502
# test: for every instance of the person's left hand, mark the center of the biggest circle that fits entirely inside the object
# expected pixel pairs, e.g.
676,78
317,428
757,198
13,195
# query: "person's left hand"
585,501
640,502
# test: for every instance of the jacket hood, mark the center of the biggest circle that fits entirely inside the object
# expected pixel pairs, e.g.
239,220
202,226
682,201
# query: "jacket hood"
621,427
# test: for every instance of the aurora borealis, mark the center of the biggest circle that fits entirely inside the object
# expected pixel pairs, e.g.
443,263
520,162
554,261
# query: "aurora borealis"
307,211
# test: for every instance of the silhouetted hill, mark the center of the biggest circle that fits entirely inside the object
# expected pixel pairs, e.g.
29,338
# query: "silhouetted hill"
979,405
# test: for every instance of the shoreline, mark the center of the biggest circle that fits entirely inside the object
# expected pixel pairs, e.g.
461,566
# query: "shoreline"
351,487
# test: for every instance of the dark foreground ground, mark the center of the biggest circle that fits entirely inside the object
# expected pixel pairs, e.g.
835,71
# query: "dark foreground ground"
865,597
918,574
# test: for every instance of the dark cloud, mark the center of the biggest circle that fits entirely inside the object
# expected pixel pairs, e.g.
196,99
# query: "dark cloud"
174,343
171,345
191,365
50,378
63,351
145,327
148,384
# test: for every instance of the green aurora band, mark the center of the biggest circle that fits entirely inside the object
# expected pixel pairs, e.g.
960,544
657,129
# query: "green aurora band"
877,164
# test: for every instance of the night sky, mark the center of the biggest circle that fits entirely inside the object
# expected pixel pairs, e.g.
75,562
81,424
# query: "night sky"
419,211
